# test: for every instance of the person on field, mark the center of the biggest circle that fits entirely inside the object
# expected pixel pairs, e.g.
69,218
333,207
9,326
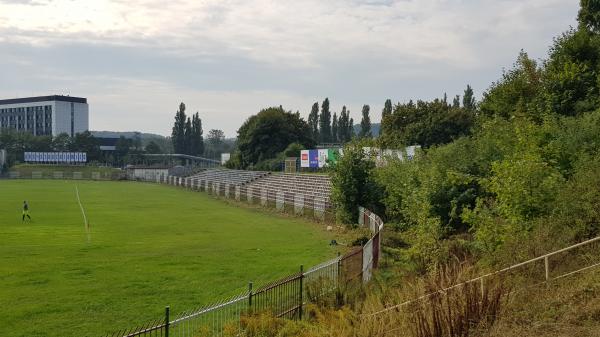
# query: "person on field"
26,211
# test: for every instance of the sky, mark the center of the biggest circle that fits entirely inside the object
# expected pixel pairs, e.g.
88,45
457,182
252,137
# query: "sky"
136,60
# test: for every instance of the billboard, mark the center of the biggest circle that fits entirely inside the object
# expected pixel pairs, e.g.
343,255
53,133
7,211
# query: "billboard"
313,158
55,157
304,162
318,158
323,155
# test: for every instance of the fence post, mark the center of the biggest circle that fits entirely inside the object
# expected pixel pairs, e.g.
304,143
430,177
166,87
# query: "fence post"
339,271
482,288
250,297
301,289
547,268
167,322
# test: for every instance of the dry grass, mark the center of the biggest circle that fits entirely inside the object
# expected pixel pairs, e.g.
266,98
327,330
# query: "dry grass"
453,313
565,308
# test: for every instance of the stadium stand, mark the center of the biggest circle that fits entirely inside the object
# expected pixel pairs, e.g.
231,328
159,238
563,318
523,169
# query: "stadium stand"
314,188
311,190
225,176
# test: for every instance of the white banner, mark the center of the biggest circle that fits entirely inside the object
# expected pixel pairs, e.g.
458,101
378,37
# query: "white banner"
55,157
304,161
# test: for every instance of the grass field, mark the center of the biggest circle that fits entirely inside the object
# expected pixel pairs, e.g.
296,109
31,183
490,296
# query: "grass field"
150,246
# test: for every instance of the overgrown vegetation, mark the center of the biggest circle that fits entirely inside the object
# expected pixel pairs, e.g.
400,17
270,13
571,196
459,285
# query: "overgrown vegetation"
521,166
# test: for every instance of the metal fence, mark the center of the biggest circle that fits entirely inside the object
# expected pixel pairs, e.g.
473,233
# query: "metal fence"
283,298
542,269
75,175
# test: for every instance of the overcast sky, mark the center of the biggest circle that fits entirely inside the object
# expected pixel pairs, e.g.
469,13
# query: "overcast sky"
226,59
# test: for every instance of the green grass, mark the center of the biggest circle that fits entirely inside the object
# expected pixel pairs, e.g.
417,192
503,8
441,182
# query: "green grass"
151,246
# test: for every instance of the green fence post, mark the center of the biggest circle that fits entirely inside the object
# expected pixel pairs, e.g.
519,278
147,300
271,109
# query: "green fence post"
167,322
301,290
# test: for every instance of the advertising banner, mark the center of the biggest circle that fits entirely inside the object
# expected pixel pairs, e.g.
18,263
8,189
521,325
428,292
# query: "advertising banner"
332,156
313,158
304,162
323,153
55,157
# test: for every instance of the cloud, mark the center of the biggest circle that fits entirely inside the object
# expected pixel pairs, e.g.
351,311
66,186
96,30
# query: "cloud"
353,51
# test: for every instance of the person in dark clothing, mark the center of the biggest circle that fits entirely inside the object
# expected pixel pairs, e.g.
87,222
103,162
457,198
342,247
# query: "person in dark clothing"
26,211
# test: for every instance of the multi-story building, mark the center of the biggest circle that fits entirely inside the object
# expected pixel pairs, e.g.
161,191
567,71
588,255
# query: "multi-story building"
45,115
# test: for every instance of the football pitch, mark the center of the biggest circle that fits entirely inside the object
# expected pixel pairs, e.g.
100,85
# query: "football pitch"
147,246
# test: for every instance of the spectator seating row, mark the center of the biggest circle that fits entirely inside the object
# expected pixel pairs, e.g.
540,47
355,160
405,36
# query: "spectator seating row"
310,185
226,176
257,183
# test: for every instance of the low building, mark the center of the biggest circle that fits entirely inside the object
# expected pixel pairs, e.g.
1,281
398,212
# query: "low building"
45,115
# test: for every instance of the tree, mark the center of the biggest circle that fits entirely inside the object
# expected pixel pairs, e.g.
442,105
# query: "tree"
178,133
313,121
426,124
196,140
215,137
122,148
570,75
387,110
215,144
342,126
62,142
518,92
353,184
589,15
86,142
365,123
456,101
137,140
153,147
350,132
334,128
187,137
266,134
469,99
325,122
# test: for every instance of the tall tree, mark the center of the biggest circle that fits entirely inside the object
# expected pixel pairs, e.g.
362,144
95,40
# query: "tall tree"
469,99
334,128
456,102
325,122
196,139
313,121
187,136
350,132
387,111
343,126
178,133
365,123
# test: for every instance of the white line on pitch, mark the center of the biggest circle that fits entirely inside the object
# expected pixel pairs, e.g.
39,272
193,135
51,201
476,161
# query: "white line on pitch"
85,221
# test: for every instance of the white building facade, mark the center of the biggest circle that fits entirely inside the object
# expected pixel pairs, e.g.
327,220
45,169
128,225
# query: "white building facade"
45,115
